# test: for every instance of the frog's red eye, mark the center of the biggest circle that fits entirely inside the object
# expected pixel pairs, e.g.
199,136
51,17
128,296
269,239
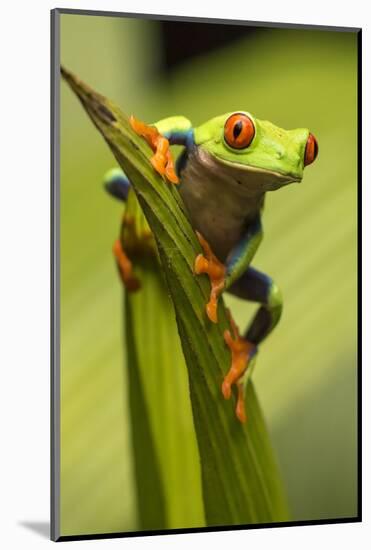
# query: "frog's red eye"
311,150
239,131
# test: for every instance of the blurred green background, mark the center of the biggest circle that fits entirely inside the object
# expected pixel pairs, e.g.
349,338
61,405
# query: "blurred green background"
306,371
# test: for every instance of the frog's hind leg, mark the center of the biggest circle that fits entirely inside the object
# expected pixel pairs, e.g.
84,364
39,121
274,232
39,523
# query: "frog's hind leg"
117,184
255,286
258,287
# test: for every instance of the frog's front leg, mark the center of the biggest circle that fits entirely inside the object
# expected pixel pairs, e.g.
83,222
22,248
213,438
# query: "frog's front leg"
222,276
208,263
159,136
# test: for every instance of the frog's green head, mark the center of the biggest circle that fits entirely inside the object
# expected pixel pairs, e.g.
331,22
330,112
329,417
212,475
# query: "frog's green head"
256,153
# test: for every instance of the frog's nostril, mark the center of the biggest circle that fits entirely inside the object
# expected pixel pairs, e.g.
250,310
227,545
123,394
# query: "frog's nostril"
311,150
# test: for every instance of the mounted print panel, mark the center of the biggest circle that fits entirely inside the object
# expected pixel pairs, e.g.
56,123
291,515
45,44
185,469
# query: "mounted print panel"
204,281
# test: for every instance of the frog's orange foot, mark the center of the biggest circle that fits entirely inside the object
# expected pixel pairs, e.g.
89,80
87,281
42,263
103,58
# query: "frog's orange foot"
125,267
208,263
242,352
162,160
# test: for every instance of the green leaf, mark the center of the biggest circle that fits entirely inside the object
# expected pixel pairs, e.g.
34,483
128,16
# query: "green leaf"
165,447
151,512
240,479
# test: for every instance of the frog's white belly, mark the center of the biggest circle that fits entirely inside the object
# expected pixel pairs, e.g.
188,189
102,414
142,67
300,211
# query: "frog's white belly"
218,206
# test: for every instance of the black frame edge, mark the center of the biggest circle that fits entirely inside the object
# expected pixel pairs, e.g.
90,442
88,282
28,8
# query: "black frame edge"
54,277
191,19
359,269
212,529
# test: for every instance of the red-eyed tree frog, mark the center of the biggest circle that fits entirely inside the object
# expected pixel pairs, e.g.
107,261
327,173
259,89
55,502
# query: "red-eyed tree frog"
224,171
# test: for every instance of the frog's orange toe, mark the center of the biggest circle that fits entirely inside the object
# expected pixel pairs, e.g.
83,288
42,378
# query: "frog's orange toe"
201,264
212,311
158,164
171,175
170,170
226,389
240,407
125,267
208,263
136,124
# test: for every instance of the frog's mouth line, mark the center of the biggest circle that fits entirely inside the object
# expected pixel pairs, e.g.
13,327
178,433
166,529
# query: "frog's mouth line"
282,178
248,180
